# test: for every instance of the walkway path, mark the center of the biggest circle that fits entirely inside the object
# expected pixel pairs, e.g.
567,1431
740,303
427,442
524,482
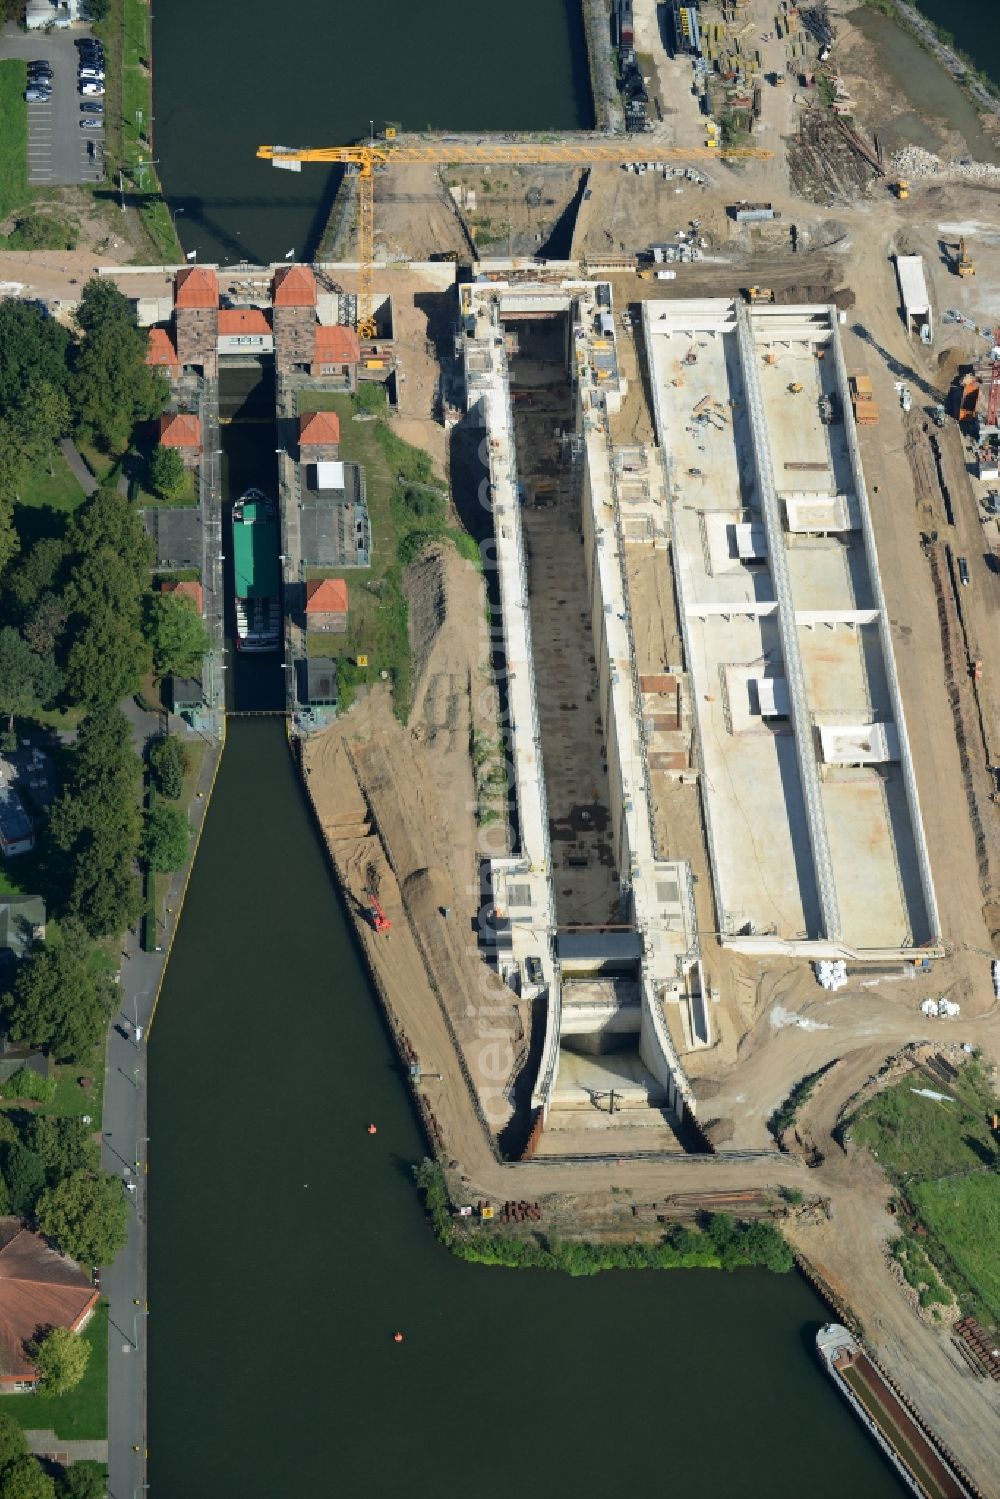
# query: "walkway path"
47,1444
80,470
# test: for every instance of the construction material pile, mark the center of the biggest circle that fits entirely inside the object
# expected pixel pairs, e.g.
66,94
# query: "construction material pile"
914,162
831,975
941,1008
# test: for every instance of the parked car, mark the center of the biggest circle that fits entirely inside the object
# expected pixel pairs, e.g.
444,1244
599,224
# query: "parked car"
38,95
91,109
92,90
35,63
96,74
91,124
963,571
42,70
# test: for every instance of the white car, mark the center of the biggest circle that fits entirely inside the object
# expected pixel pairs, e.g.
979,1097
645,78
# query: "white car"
92,90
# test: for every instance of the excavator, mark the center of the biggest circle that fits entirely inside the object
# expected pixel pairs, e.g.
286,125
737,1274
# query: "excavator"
963,265
365,160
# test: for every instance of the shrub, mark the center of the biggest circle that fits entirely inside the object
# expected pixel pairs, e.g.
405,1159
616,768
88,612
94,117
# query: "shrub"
169,762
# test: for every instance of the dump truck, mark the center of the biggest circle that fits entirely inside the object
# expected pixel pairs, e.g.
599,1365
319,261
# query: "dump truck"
863,401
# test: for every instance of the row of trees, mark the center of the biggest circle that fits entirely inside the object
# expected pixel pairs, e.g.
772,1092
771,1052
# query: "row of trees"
50,1174
23,1477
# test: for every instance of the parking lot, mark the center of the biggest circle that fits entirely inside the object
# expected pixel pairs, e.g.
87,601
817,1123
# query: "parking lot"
58,150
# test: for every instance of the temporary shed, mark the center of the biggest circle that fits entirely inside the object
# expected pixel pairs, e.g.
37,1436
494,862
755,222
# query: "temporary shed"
915,297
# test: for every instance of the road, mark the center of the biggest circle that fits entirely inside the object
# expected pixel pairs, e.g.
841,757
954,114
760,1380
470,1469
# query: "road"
124,1152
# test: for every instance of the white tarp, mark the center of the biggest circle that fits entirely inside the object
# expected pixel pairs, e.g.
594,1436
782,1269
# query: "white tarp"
751,541
330,476
772,697
859,744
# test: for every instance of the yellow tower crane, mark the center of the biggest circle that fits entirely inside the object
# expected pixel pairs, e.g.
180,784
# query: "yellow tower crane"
365,159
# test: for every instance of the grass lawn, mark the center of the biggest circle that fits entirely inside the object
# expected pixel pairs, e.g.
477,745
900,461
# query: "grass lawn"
406,506
940,1155
14,189
963,1214
101,465
82,1415
188,495
921,1138
59,490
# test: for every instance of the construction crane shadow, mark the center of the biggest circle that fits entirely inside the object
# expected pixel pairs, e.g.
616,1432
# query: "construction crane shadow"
895,366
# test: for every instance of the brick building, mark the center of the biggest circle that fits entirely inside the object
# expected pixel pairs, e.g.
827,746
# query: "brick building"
319,437
182,431
294,318
326,606
196,319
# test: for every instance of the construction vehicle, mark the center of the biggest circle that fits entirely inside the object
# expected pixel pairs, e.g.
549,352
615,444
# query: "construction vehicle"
901,189
754,294
364,160
963,265
863,401
794,387
379,920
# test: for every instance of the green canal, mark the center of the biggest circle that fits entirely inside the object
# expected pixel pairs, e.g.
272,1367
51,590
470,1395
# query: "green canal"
287,1245
231,75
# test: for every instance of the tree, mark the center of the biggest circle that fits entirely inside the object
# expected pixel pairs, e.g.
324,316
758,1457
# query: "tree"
84,1480
169,762
95,826
112,386
12,1444
108,523
177,634
106,661
41,570
24,1175
32,346
28,681
61,1359
167,837
62,1144
167,474
86,1215
57,1001
24,1479
44,626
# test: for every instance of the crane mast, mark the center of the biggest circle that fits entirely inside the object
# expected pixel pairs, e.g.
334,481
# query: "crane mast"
365,159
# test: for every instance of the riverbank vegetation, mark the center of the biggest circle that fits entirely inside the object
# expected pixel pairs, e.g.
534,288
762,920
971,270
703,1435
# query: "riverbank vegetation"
719,1242
125,32
939,1150
784,1115
408,508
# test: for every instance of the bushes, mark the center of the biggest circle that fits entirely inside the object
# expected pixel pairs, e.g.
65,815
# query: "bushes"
721,1242
169,763
166,838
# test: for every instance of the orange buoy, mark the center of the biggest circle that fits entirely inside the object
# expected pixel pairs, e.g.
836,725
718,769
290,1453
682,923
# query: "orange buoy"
397,1337
372,1130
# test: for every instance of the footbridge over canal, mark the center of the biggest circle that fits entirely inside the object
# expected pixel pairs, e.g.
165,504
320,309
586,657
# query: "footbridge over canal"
607,1063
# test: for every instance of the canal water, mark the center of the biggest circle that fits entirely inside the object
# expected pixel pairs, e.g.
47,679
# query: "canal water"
287,1245
974,28
231,75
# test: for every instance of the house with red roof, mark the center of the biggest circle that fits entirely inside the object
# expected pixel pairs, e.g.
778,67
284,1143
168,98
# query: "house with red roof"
40,1288
326,606
186,589
319,436
336,353
181,430
245,330
161,353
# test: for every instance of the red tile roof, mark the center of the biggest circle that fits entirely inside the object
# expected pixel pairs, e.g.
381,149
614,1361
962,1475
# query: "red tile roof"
186,590
337,345
316,427
39,1288
294,286
196,287
180,430
243,320
160,349
326,596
